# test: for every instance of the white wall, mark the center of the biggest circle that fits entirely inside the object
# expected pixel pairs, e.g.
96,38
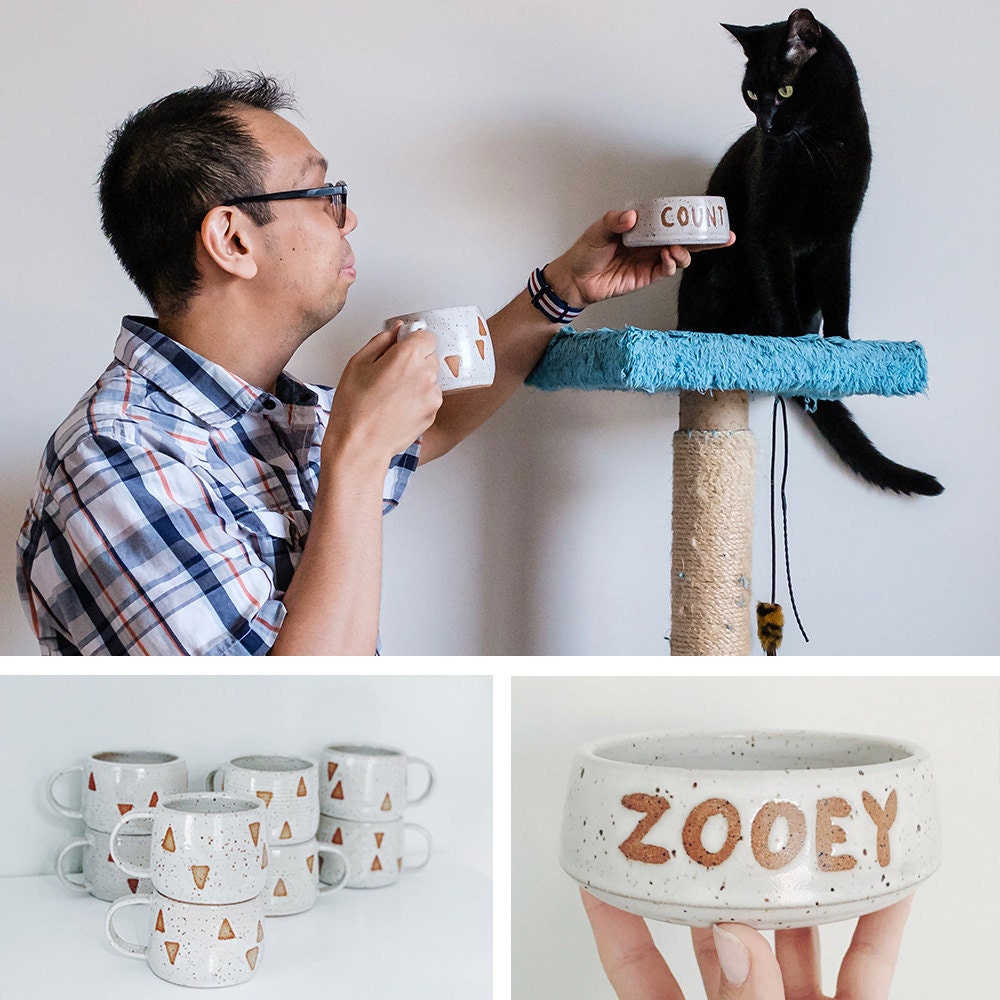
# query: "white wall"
478,142
949,945
51,723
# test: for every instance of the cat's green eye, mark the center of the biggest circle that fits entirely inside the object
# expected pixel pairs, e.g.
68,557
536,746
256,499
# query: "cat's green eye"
751,95
784,92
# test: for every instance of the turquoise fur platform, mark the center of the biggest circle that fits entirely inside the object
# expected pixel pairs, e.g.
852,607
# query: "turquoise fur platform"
670,360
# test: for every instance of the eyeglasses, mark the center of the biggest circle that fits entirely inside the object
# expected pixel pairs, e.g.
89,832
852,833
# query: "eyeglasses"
337,193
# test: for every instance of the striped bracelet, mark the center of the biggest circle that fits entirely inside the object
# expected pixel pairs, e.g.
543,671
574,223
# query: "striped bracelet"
546,301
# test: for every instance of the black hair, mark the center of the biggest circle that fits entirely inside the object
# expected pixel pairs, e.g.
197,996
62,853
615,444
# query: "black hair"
171,162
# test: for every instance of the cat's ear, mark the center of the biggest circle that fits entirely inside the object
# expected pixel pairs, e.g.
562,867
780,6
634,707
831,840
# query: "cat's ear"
748,38
804,34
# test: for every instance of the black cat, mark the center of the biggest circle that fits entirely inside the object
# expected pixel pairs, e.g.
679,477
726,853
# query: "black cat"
794,185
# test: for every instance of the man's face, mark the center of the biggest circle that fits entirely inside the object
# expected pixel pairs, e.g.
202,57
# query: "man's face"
306,266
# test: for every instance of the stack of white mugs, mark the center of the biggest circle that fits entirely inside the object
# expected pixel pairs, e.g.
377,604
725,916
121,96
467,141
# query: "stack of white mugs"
364,791
210,866
289,789
112,785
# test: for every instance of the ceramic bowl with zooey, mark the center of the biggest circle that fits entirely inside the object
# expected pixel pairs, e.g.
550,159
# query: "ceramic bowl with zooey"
774,829
688,220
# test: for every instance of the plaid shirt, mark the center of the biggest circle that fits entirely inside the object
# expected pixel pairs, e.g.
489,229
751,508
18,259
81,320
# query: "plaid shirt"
172,507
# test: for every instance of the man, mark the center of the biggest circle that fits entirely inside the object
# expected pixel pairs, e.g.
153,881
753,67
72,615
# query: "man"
199,500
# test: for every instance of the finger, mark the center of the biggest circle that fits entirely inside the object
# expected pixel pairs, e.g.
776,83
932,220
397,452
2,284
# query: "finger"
680,254
866,972
633,965
797,952
737,963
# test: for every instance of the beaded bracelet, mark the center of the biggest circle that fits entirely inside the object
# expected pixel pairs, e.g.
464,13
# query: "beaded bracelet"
545,300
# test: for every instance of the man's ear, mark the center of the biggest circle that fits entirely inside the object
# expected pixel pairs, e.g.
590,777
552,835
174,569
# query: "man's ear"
229,239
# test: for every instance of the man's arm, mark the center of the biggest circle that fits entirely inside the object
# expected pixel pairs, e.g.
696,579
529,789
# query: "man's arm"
384,401
596,267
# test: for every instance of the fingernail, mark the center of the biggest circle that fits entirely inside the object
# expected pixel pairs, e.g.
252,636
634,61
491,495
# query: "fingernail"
734,958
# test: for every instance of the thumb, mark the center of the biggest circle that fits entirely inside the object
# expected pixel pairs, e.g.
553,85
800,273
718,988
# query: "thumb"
747,966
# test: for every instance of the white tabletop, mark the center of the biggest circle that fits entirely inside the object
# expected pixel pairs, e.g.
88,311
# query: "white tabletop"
429,935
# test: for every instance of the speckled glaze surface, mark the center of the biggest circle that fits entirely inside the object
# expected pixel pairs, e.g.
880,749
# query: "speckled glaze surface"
293,876
772,829
685,220
288,787
114,782
370,782
99,875
464,346
193,944
376,852
205,847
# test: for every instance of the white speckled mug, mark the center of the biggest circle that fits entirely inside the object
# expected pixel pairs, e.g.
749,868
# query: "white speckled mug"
368,782
293,876
101,877
288,787
376,852
688,220
464,347
771,829
205,848
192,944
115,782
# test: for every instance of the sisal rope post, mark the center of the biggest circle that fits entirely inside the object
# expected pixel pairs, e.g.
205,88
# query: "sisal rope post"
714,454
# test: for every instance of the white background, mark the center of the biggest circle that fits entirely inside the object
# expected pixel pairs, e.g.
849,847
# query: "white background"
949,947
479,141
209,720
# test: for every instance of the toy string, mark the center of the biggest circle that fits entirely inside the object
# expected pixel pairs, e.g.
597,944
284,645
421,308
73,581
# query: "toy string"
784,508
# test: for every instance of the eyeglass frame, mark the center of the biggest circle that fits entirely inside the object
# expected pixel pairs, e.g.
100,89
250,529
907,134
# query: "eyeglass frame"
337,193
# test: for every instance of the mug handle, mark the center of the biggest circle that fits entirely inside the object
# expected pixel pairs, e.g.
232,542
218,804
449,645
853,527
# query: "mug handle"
54,802
63,877
328,887
431,778
210,781
430,846
124,865
128,948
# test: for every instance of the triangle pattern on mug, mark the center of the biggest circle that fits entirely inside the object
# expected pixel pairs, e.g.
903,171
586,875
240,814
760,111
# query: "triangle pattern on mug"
90,784
168,841
263,857
338,792
454,363
279,889
255,832
200,875
301,792
481,347
331,770
124,807
226,931
338,837
266,796
378,838
159,922
153,799
286,832
172,948
133,884
252,957
260,932
386,803
376,864
482,328
309,862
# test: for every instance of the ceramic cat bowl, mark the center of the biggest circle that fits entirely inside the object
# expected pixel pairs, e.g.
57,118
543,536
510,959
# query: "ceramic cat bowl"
771,829
689,220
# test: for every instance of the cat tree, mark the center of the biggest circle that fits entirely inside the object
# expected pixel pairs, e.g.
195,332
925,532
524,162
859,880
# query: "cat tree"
714,450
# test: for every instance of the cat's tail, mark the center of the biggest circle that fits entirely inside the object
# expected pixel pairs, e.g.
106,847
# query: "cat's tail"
849,441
